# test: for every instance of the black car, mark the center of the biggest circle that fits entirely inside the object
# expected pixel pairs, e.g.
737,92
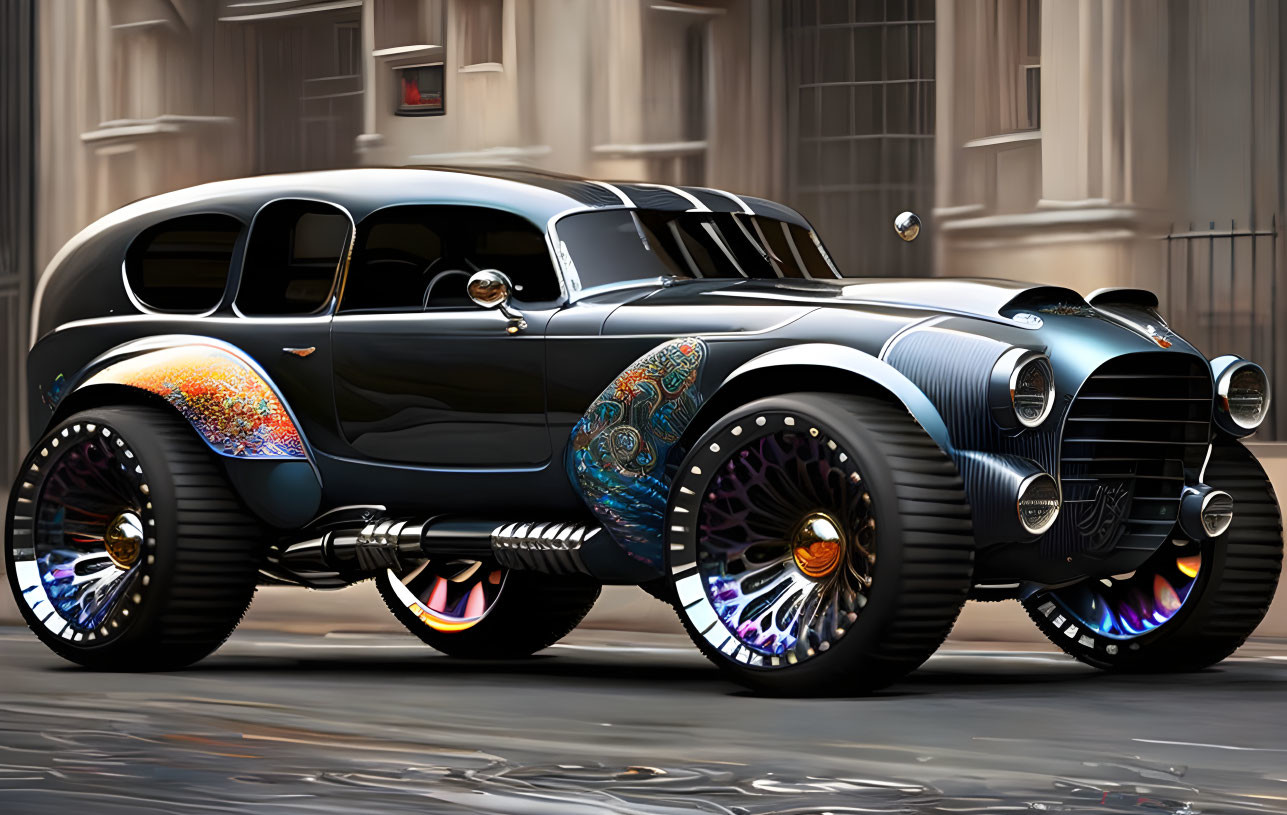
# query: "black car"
495,392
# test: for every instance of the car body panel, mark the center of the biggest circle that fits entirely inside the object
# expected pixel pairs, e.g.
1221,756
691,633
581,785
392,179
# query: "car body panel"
448,411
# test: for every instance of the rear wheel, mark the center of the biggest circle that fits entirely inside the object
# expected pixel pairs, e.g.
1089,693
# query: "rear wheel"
476,609
126,549
1193,603
820,544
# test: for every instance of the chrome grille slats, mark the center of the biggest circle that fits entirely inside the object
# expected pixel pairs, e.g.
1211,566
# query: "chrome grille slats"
1134,427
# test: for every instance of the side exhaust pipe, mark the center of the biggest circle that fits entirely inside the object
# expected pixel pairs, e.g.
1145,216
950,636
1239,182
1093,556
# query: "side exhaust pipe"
352,543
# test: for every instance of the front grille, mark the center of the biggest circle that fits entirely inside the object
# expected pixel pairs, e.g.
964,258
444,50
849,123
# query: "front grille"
1134,427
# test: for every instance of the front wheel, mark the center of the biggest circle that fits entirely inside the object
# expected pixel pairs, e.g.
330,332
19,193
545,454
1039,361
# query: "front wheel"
479,610
819,544
1192,603
126,548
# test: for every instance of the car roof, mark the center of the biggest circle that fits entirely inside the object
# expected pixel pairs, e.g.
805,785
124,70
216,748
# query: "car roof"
534,194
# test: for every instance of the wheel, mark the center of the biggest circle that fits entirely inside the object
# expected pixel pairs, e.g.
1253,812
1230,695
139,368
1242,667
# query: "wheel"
819,544
125,547
477,610
1192,604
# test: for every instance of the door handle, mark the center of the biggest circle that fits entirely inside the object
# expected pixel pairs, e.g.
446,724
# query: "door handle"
300,352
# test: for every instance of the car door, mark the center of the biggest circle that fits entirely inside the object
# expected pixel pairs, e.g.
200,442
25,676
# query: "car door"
422,375
284,300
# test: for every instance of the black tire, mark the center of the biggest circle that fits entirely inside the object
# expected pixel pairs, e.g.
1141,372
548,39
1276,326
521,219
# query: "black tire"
532,611
917,584
1230,595
193,568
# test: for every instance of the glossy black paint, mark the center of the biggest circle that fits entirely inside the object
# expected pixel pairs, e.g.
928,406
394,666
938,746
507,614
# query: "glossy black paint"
445,412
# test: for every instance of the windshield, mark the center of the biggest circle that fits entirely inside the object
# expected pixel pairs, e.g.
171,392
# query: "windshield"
613,246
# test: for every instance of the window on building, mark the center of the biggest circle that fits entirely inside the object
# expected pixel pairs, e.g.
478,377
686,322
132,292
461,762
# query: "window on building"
420,91
400,23
480,31
295,250
418,258
181,265
1018,54
348,49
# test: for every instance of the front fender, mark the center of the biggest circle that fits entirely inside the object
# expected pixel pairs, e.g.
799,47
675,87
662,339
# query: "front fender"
850,361
619,451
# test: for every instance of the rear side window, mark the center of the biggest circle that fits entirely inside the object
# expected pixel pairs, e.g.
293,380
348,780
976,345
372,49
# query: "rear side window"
294,253
181,265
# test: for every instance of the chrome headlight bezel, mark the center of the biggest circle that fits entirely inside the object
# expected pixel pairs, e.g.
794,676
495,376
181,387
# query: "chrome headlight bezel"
1007,375
1226,413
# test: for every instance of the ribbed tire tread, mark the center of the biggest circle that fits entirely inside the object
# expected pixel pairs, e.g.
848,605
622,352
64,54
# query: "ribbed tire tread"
1225,608
934,537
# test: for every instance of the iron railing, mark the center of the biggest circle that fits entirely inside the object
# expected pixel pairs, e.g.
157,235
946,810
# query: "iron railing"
1220,291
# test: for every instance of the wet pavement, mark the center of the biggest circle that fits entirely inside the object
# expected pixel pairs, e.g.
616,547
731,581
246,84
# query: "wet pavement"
284,723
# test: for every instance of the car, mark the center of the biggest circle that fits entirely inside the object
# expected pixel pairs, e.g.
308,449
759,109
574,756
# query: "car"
496,391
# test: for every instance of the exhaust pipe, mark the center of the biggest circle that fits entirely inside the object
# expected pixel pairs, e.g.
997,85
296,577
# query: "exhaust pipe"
353,543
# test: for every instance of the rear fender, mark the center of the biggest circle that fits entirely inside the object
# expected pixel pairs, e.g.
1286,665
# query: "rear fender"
230,402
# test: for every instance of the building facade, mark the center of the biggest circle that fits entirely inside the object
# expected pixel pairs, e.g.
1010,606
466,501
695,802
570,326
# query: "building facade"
1082,142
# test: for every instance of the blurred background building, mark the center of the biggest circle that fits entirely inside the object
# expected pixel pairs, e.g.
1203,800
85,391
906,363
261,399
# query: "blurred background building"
1086,143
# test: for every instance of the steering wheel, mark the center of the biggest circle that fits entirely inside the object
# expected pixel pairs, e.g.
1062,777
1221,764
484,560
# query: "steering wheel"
451,285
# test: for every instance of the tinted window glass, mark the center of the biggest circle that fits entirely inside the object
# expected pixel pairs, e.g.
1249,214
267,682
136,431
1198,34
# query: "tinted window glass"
620,245
182,264
420,257
294,252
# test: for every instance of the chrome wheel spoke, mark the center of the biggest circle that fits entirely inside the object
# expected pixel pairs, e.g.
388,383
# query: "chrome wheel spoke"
784,543
88,532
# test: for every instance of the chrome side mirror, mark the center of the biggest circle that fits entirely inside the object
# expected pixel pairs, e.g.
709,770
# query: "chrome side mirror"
907,225
490,288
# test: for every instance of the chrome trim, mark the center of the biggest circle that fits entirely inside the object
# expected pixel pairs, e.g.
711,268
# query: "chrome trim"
924,322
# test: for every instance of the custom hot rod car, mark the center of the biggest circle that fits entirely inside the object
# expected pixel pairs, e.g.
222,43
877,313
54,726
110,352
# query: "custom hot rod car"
494,392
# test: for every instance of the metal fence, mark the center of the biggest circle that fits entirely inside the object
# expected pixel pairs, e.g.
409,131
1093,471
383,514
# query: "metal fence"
1220,292
860,126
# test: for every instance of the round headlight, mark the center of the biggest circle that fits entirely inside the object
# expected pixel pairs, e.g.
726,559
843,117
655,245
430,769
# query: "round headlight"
1038,503
1243,394
1032,390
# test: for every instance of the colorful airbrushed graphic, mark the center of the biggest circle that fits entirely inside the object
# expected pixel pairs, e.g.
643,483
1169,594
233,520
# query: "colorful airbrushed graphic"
619,447
233,409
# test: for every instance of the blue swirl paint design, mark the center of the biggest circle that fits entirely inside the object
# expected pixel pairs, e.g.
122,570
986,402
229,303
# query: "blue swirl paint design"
620,446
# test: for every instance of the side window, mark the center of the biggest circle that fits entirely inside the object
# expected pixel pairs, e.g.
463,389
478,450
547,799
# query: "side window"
417,258
294,252
181,265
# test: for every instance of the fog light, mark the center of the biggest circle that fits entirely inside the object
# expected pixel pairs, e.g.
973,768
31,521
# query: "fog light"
1205,513
1038,503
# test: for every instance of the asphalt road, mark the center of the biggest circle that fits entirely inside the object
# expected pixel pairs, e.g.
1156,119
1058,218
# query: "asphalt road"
283,723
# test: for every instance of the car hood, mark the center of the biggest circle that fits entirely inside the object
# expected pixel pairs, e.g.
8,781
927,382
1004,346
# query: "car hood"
976,297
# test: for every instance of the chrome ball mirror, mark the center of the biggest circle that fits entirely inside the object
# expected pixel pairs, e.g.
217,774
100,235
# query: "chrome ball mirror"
489,288
907,225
